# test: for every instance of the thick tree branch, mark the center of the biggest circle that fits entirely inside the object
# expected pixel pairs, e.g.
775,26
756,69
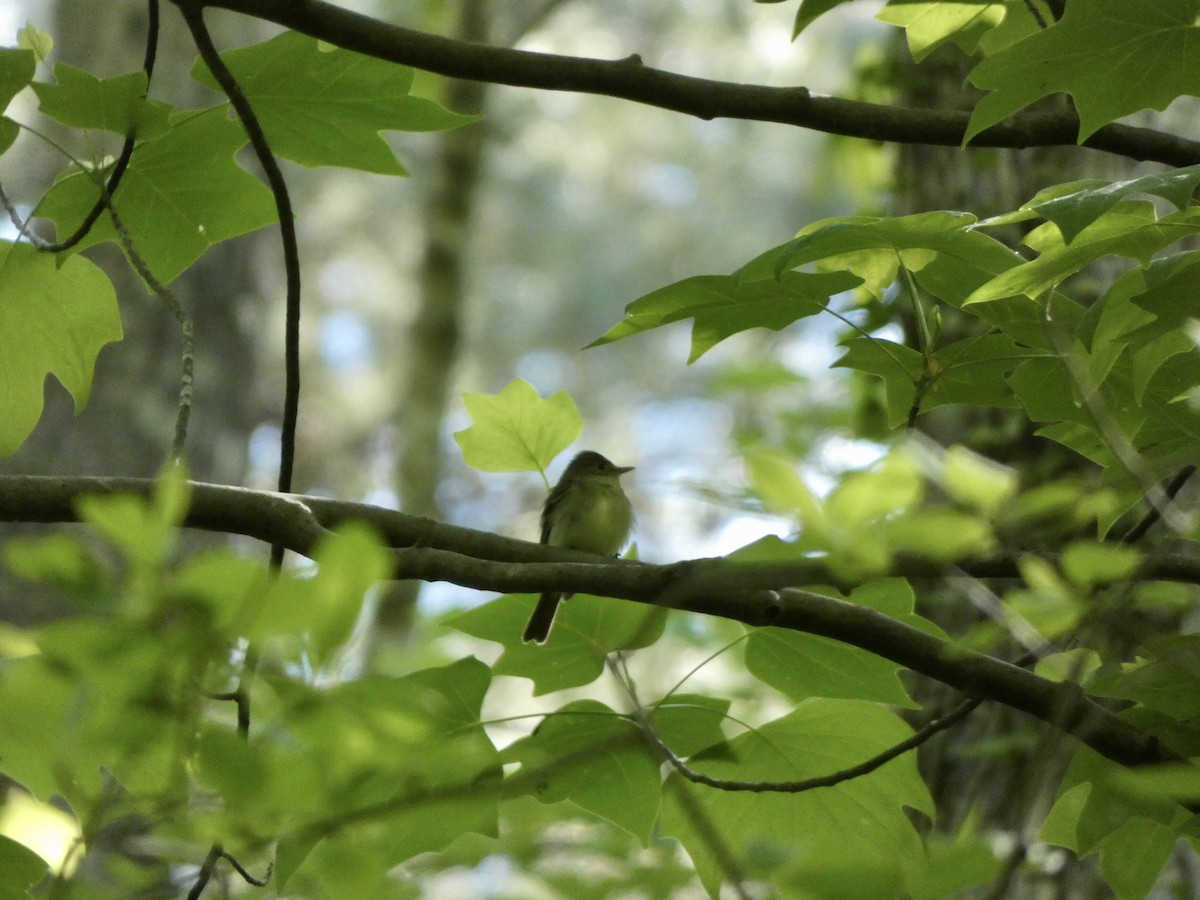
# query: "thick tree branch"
629,79
753,593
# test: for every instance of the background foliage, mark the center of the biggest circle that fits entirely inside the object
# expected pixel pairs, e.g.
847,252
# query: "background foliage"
961,662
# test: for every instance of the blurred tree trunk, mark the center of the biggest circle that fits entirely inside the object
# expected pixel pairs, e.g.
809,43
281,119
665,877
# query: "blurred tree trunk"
433,342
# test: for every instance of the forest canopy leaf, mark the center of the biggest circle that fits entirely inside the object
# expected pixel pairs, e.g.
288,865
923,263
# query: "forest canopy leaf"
16,72
516,430
117,104
865,816
1074,211
1100,53
929,25
326,107
587,753
54,320
723,305
182,193
808,665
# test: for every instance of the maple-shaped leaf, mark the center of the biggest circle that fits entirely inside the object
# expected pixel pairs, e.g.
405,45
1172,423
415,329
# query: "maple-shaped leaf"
516,430
943,251
1114,57
326,107
181,194
723,305
117,104
54,319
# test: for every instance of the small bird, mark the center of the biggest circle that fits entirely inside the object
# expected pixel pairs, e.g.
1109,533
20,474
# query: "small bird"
586,510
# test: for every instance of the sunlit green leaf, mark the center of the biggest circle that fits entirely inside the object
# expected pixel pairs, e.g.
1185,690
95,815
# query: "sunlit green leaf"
586,630
516,430
929,25
54,319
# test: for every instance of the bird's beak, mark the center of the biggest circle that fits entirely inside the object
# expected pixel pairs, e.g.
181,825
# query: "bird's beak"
621,470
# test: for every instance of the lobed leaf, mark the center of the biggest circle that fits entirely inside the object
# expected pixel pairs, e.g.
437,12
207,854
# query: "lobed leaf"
54,319
322,106
1100,53
516,430
183,192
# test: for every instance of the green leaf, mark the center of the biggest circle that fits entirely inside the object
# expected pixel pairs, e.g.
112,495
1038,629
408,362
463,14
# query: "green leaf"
411,760
1088,563
290,854
1167,679
516,430
809,12
1132,859
322,106
689,723
118,104
1100,53
54,319
586,630
805,665
33,38
1075,211
865,498
350,561
943,535
775,481
144,530
20,867
929,25
954,866
971,372
130,525
59,560
16,72
864,817
1046,390
947,256
900,367
182,193
1169,297
9,132
1129,228
1103,808
322,608
1061,826
977,481
723,305
588,754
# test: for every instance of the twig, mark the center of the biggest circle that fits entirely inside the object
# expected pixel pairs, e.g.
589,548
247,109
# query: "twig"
193,16
640,716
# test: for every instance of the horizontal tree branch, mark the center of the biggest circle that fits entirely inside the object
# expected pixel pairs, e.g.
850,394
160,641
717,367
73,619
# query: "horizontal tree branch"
754,593
704,98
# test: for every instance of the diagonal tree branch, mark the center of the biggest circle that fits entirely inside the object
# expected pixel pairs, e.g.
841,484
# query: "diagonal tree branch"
629,79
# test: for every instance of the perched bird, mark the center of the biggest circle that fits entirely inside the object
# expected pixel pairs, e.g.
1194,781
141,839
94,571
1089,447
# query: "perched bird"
586,510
